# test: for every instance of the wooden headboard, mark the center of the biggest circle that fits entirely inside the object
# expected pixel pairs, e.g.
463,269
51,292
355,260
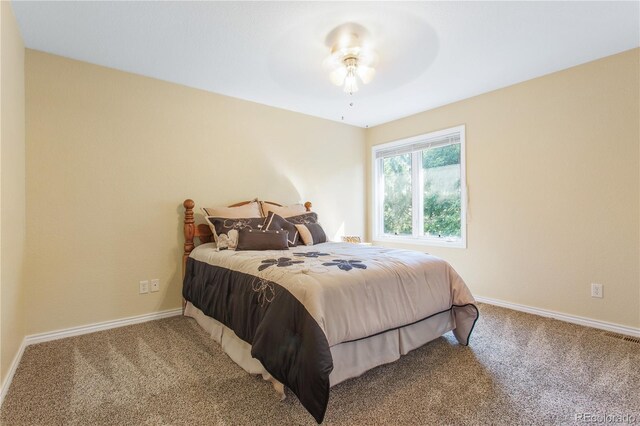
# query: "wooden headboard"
202,230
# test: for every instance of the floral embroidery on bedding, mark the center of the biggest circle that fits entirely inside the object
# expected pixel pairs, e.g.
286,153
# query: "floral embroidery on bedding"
281,262
312,254
266,291
303,219
238,223
346,265
296,266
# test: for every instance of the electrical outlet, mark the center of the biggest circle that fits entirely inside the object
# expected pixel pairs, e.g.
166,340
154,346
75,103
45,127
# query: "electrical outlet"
155,285
144,287
596,290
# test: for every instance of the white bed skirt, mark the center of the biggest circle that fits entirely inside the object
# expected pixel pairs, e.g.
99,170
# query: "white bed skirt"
350,359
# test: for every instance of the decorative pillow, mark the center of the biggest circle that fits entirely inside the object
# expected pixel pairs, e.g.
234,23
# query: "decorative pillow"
221,227
250,239
303,219
228,240
312,234
277,222
248,210
284,211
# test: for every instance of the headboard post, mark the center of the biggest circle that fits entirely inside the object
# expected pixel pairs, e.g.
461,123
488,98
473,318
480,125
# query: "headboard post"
189,232
307,206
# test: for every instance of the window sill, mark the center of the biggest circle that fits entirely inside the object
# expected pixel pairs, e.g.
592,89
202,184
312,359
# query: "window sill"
421,241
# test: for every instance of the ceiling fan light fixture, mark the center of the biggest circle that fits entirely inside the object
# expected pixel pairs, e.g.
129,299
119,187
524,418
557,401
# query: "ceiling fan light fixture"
350,60
366,74
351,82
338,75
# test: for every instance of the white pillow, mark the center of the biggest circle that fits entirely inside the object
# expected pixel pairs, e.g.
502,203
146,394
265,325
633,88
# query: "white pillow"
284,211
249,210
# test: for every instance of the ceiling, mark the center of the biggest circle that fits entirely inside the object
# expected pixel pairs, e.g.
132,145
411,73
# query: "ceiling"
430,53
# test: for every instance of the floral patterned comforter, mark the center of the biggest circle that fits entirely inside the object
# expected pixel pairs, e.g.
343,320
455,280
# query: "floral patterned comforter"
293,305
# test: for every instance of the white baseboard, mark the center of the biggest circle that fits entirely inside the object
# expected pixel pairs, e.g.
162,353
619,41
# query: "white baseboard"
77,331
98,326
574,319
12,371
106,325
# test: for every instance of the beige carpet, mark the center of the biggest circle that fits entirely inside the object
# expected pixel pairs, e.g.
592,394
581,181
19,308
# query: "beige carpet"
519,369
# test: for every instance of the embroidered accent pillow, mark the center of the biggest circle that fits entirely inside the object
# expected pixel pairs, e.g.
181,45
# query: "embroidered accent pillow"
277,222
250,239
309,217
221,227
312,234
284,211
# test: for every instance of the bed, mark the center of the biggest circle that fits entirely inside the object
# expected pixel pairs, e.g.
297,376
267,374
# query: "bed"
310,317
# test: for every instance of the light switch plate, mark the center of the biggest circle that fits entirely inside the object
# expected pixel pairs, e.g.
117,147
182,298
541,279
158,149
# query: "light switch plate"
155,285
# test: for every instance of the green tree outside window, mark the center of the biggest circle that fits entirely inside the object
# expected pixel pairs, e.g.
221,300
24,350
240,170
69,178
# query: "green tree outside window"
441,186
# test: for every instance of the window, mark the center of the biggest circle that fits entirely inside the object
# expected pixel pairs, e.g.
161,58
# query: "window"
420,189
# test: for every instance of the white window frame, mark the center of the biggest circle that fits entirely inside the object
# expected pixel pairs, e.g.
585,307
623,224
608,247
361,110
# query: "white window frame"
417,201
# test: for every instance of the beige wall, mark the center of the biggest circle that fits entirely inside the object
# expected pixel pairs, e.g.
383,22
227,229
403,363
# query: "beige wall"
553,178
112,155
12,189
552,167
